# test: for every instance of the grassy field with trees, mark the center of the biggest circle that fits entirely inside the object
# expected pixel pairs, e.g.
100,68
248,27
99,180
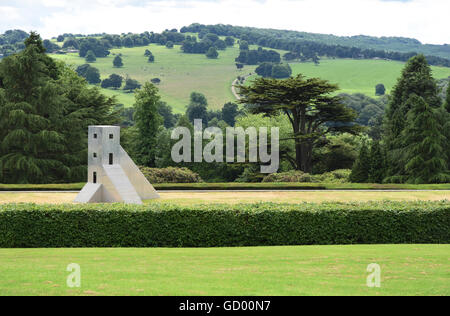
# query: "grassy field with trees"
214,77
180,73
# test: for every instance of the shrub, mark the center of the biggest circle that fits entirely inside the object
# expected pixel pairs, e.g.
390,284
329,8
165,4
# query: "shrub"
291,176
170,175
162,225
337,176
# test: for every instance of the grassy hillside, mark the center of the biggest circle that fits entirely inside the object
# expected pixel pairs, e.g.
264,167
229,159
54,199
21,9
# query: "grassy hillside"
359,76
183,73
180,73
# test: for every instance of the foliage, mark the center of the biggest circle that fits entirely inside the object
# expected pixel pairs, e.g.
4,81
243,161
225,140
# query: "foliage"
336,176
336,152
307,46
91,74
380,89
131,85
170,175
90,57
229,113
117,62
148,120
254,57
114,81
377,170
92,44
265,224
198,108
361,168
415,89
212,53
45,111
312,112
424,145
272,70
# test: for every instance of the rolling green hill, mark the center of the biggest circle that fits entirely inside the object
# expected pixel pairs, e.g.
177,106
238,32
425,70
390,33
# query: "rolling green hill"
183,73
180,73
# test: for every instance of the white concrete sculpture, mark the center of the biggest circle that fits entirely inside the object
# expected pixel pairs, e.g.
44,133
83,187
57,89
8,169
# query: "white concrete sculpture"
112,175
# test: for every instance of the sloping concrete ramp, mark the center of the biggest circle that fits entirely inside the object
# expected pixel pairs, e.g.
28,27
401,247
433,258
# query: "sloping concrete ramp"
143,187
91,193
122,184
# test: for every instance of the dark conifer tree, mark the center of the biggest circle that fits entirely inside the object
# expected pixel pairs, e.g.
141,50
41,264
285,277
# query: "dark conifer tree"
361,168
425,157
416,79
377,164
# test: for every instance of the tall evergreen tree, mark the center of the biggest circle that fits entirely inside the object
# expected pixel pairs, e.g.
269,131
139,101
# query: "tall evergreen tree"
416,79
424,145
45,109
361,168
377,164
148,121
30,142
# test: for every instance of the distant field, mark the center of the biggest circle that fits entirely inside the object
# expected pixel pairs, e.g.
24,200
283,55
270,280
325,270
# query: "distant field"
191,198
260,271
358,76
180,73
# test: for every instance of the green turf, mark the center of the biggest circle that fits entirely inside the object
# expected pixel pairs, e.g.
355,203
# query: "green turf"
358,76
180,73
305,270
239,186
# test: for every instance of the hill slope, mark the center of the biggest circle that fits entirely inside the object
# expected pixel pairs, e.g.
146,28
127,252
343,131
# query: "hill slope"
180,73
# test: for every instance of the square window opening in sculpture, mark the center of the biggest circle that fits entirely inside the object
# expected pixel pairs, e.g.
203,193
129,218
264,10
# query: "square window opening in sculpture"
111,136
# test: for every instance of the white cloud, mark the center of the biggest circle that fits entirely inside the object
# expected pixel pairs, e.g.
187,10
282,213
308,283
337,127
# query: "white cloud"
425,20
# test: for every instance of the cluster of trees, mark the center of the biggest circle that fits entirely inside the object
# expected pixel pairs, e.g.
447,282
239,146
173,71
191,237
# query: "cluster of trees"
209,44
370,112
12,41
306,45
149,55
149,123
257,56
274,70
44,115
91,74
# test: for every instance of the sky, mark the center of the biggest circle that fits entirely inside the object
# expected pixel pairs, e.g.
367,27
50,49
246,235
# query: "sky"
425,20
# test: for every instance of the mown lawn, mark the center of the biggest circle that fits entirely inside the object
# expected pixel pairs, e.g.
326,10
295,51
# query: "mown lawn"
303,270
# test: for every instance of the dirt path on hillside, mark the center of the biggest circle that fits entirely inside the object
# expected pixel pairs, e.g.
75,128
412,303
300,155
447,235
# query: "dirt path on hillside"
235,83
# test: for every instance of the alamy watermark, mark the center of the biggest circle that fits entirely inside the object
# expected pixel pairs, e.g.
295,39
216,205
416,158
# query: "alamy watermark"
236,146
74,278
374,278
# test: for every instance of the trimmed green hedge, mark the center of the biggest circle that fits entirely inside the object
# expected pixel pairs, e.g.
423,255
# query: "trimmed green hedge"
159,225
